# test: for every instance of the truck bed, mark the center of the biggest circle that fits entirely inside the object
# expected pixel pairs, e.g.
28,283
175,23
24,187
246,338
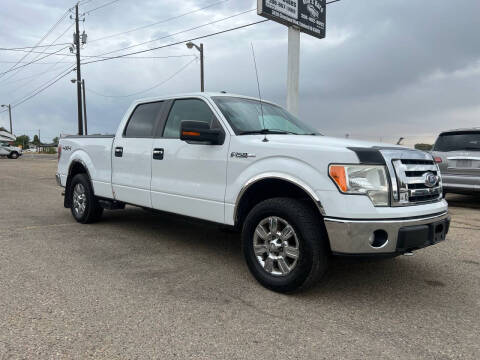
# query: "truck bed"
94,151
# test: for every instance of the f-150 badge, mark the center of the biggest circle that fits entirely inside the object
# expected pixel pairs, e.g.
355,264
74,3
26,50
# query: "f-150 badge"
241,155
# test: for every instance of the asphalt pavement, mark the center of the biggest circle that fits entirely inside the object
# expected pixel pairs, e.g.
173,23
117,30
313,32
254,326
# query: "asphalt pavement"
143,285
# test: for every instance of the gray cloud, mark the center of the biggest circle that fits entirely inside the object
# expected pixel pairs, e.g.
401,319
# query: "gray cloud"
386,69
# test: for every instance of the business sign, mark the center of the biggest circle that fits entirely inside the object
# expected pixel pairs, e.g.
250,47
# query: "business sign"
307,15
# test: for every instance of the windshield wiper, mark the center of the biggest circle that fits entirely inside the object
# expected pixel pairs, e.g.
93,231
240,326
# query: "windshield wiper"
267,131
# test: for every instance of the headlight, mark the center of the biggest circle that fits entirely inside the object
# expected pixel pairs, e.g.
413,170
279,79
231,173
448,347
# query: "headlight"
370,180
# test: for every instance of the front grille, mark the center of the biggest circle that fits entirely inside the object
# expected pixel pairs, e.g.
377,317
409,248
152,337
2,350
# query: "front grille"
411,177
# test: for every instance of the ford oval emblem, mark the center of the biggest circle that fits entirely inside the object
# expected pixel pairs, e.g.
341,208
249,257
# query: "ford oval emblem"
430,179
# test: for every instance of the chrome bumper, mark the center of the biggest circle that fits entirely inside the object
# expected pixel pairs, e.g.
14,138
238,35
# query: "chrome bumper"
370,237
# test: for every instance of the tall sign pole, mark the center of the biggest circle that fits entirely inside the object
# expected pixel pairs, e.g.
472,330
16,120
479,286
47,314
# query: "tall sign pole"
293,69
307,16
79,75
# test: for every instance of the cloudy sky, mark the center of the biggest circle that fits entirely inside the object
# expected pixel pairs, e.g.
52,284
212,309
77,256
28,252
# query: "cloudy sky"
387,68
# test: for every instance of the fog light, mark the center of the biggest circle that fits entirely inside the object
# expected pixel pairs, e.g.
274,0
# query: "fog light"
379,238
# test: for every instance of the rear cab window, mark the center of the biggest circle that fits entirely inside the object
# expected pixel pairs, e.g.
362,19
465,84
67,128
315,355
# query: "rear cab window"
458,141
143,121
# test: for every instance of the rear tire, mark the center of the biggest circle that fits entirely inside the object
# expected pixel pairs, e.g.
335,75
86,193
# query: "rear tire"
84,206
285,244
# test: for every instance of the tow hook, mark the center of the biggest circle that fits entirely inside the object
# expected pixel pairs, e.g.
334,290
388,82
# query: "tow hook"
408,253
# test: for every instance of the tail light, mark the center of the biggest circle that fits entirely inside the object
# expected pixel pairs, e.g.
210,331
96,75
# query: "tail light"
437,159
59,152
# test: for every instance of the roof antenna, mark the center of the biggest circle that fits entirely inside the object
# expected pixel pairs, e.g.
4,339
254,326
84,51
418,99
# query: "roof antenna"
259,93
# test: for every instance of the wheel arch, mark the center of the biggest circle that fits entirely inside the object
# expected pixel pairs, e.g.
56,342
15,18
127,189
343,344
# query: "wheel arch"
267,186
77,166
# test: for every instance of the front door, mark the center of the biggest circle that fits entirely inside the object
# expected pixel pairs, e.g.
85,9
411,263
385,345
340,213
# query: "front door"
189,178
132,159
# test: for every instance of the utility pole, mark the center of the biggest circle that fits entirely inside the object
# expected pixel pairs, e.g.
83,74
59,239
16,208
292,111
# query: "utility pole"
84,106
10,116
79,75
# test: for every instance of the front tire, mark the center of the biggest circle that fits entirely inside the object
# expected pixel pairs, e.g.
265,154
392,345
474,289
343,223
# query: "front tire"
284,244
13,155
84,206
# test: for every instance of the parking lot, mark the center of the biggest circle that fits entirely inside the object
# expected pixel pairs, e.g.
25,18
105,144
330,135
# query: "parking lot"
143,285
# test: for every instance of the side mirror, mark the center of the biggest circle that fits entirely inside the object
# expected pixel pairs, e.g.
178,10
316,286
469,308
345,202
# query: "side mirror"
199,131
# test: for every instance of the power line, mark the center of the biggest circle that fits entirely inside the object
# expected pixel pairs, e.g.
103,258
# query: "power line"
30,62
150,88
32,47
180,32
97,56
43,87
41,40
176,43
100,7
159,22
36,58
37,74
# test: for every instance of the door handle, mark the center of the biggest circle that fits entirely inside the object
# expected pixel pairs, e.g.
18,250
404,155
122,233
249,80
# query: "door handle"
158,154
118,151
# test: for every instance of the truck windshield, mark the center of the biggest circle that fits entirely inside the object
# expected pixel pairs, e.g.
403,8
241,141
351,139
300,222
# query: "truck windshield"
245,117
458,141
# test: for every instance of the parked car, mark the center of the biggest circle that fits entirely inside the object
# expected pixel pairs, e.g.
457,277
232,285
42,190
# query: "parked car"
10,151
457,153
298,197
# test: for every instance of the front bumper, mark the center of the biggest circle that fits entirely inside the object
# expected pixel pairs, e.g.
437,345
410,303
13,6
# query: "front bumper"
383,237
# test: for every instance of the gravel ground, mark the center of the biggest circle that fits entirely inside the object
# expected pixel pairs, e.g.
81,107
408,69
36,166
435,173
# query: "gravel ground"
142,285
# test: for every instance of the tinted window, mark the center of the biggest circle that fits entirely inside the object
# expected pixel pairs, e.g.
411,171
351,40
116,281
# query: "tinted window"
458,141
187,109
143,120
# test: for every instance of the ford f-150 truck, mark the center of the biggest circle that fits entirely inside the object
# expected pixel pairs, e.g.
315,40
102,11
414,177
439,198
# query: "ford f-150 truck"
297,196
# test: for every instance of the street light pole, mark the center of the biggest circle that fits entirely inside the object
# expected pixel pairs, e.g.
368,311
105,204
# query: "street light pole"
10,116
190,45
202,74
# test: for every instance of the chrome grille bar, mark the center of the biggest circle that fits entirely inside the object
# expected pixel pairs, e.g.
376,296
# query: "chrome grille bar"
408,170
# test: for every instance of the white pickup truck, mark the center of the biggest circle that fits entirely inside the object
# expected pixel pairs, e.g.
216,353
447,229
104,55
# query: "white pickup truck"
12,152
297,196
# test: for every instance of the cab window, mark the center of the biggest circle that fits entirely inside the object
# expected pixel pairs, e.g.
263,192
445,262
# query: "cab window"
143,120
188,109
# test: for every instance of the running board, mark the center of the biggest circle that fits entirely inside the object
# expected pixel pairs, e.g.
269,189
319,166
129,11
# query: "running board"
111,204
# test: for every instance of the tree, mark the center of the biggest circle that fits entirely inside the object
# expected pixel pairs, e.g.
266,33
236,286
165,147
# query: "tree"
3,129
423,147
22,141
55,140
36,140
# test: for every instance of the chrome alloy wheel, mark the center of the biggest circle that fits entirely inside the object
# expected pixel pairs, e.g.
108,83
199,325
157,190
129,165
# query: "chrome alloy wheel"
79,200
276,246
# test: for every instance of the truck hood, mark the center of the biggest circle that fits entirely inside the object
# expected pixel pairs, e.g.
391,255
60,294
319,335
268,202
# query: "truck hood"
313,141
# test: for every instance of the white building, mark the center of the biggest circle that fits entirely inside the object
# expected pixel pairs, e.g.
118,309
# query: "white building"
6,136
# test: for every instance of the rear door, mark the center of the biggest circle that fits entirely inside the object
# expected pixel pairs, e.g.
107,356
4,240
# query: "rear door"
189,178
132,155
